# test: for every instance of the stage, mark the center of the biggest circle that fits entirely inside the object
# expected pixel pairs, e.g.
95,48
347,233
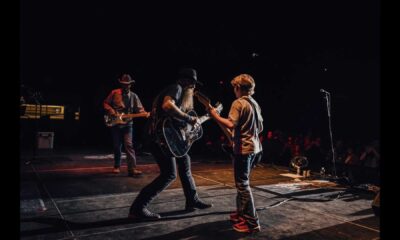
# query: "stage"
72,194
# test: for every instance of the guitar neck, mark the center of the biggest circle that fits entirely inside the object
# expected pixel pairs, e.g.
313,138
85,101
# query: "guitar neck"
225,130
133,115
206,102
204,118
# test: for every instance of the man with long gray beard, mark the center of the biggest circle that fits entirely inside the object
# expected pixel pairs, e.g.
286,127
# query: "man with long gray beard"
174,101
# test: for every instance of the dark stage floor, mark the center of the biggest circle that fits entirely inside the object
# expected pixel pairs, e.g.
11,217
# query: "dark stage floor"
74,195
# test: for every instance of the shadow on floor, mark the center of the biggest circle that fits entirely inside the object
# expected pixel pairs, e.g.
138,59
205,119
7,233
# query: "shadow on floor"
59,225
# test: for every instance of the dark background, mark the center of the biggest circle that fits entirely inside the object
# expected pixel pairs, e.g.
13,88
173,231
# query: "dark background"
73,52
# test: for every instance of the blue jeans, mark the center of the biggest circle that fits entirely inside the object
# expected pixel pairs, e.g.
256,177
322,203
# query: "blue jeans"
168,174
244,200
123,136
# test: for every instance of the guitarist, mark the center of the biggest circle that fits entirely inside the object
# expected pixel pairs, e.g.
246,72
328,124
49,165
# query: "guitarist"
123,100
246,122
174,101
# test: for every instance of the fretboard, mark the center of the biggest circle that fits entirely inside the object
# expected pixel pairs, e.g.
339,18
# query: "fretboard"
204,118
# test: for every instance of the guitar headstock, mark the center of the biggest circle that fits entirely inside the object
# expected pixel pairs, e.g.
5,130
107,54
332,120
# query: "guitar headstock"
207,102
218,107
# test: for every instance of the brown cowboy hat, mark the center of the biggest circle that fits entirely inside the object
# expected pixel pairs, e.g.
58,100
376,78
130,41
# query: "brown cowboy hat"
126,79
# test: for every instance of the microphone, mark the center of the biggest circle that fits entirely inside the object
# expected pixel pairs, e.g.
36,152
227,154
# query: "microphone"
324,91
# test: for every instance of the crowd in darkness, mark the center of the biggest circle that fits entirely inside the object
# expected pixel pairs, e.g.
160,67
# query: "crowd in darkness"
355,160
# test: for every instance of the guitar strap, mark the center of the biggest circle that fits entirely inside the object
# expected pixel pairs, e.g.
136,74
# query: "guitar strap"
130,109
128,101
255,114
259,155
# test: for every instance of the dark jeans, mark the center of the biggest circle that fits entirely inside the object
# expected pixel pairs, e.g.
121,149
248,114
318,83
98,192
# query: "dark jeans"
244,200
168,173
123,136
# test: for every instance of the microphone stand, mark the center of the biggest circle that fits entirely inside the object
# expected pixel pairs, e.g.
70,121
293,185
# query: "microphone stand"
328,106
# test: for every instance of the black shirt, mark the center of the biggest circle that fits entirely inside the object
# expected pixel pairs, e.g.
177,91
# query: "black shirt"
174,91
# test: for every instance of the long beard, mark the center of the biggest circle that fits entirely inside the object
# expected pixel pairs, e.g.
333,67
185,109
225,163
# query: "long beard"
187,100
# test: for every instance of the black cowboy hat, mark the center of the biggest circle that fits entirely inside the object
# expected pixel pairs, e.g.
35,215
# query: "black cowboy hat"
189,74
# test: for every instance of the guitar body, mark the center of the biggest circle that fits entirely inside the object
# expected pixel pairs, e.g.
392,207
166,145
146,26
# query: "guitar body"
176,137
111,121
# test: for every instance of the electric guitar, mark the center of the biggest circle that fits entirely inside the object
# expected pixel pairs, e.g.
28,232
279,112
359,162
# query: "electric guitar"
226,147
122,118
206,102
175,137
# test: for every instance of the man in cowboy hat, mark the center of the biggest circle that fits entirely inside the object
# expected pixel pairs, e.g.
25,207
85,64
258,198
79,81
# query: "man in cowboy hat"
175,101
123,100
